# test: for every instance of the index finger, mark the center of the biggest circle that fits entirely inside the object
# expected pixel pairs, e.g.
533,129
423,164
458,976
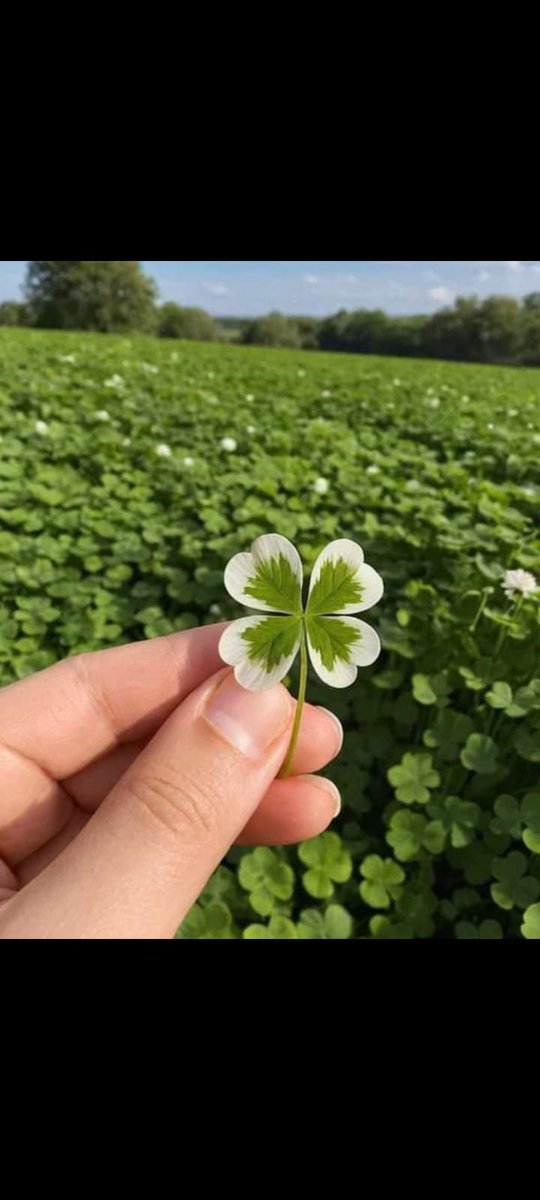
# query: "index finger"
72,713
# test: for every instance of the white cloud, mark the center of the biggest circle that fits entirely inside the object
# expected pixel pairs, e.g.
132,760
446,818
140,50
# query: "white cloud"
515,267
216,289
311,280
442,295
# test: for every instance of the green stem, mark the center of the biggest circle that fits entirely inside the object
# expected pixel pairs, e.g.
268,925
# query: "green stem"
481,607
287,765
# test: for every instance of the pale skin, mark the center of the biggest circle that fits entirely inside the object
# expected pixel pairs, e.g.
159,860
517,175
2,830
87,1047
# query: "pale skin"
126,776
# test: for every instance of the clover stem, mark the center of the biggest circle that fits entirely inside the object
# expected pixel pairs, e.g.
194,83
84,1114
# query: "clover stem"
302,688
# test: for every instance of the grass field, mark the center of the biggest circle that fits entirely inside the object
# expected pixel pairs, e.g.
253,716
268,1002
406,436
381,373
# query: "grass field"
106,537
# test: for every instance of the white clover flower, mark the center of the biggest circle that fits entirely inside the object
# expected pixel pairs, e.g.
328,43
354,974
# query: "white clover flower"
397,382
435,403
41,428
150,369
116,381
270,578
326,395
229,445
126,442
301,374
174,356
251,429
67,358
188,462
513,412
465,399
321,486
163,451
491,428
373,469
250,399
102,415
519,581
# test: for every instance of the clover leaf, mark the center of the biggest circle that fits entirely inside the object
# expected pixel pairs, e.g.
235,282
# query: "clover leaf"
413,778
334,924
329,863
214,922
410,833
531,923
530,815
514,887
266,878
502,697
449,733
382,880
431,689
507,819
480,754
460,818
279,929
487,930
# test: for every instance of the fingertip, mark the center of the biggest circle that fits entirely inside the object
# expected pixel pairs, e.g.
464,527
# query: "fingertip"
293,810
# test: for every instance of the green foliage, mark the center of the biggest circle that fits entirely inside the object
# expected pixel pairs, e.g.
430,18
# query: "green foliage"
103,542
102,296
12,313
190,324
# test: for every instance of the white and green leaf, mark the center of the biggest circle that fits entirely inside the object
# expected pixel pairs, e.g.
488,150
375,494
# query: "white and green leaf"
338,646
261,649
269,577
342,582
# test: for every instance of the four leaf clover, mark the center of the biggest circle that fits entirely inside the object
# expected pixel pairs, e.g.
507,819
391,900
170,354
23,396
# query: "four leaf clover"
263,648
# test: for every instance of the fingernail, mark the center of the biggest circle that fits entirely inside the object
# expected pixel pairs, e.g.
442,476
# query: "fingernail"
249,721
326,785
337,726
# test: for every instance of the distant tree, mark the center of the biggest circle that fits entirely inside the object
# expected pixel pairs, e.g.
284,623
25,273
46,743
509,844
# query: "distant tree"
531,303
308,332
13,313
192,324
102,296
273,330
501,329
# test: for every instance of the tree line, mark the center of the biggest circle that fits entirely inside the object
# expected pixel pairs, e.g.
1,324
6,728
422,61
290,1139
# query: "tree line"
112,297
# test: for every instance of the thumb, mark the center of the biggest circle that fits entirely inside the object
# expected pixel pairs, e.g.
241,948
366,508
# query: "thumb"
144,858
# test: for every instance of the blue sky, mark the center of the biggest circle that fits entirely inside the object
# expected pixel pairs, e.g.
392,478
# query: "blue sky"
249,287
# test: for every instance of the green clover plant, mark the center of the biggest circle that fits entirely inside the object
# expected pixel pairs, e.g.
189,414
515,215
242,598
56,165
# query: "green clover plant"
263,648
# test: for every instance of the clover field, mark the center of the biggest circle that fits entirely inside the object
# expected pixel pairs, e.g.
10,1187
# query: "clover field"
434,468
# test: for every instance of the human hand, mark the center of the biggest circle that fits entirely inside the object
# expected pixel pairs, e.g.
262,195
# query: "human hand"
126,776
